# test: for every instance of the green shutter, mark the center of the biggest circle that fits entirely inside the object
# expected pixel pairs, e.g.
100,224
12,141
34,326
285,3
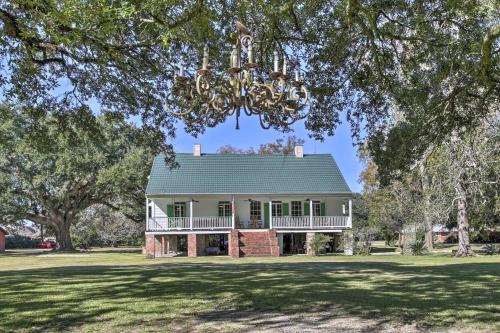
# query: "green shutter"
285,209
170,214
266,215
170,210
323,209
306,208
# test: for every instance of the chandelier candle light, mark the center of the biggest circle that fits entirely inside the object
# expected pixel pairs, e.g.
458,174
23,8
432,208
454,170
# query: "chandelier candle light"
274,96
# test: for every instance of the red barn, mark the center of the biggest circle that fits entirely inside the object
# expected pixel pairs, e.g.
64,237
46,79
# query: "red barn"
3,233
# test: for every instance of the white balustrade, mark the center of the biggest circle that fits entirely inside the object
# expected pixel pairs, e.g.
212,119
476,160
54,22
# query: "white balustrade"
304,222
290,222
217,222
212,222
324,222
182,223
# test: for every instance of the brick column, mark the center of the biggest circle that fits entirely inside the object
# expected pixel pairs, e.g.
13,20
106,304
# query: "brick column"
192,246
233,244
273,243
153,246
309,238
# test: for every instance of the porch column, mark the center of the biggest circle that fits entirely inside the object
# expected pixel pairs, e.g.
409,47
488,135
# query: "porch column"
311,213
191,214
270,214
233,244
153,246
309,238
348,241
349,219
233,208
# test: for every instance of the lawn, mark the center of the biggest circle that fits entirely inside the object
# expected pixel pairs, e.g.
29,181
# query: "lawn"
120,291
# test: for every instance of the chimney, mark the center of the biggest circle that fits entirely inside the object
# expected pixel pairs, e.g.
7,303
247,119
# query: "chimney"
197,150
299,151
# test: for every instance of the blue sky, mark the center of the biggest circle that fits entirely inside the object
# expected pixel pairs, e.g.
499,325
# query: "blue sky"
251,134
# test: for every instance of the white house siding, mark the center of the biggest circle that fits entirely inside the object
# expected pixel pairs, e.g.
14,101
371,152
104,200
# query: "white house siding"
208,206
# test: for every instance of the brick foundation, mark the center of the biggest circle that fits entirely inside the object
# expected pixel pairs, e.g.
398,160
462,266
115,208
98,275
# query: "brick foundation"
153,246
233,244
192,245
262,243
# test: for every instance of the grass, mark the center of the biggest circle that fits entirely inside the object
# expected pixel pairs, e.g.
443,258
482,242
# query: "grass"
120,291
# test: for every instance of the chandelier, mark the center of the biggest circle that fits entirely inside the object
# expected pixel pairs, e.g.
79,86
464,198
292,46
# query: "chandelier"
278,98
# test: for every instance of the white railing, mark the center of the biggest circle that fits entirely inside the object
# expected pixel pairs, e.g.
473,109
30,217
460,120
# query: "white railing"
324,222
304,222
168,223
216,222
291,222
184,223
212,222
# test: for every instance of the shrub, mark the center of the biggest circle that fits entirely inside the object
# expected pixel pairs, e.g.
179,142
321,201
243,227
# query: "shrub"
319,242
418,247
20,242
362,249
491,249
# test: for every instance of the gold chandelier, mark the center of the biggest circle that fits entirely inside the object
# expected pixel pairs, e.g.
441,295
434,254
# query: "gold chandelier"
278,98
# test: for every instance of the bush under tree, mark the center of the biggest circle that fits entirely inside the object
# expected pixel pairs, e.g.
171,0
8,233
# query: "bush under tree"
319,242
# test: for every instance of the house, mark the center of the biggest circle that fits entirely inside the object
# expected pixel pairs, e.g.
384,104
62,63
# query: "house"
245,205
3,233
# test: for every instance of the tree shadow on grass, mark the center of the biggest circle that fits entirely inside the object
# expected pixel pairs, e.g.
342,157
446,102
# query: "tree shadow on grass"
122,297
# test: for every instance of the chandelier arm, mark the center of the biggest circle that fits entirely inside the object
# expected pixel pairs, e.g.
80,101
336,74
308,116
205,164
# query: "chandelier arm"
200,91
262,124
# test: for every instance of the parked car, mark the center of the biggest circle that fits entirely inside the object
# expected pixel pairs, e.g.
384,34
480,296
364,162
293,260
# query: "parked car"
47,245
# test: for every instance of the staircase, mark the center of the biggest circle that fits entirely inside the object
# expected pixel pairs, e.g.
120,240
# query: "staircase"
258,243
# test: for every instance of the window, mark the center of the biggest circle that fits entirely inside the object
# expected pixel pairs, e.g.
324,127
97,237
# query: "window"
150,211
277,208
180,209
255,212
316,208
225,208
296,208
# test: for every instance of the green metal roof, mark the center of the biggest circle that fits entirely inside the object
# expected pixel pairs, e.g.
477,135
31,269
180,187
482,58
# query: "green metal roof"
252,174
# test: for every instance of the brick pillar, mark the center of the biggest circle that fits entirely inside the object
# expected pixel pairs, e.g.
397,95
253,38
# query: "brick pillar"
153,246
309,238
273,243
348,240
233,244
192,246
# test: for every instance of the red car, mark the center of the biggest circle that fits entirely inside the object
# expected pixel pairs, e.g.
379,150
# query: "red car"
47,245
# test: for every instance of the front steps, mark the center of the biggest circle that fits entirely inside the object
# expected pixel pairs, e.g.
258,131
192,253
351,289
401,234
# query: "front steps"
258,243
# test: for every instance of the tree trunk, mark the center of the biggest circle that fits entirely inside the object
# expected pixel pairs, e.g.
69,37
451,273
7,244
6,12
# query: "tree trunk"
429,235
464,248
429,242
63,236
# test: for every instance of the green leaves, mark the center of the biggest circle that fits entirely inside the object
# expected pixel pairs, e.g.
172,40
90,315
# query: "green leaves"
432,65
52,163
